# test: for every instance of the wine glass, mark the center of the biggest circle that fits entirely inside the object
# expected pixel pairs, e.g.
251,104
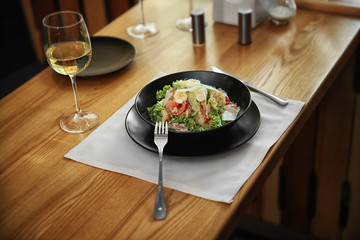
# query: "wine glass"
184,24
68,51
143,29
282,11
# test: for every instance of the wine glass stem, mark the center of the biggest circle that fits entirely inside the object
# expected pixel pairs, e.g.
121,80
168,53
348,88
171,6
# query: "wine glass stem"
74,87
142,16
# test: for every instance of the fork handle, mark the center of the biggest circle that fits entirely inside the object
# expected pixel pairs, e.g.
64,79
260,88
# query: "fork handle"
279,100
160,203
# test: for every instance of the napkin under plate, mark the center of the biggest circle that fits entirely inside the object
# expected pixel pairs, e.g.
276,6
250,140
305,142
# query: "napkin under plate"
216,177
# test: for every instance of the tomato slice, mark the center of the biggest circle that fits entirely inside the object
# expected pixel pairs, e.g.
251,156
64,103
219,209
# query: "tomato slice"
175,108
182,108
171,105
227,100
207,120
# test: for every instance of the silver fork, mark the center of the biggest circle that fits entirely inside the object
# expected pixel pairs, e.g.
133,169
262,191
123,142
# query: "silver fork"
160,139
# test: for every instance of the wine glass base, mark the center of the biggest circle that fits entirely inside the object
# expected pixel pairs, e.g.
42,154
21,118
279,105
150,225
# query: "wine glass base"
184,24
79,122
142,30
280,21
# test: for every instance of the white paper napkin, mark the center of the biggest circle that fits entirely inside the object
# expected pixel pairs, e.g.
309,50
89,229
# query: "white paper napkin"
217,177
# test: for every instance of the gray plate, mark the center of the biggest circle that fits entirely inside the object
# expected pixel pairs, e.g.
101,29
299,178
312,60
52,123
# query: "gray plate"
108,55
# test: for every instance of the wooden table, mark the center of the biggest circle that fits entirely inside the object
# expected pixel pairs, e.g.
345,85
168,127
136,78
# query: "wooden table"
44,195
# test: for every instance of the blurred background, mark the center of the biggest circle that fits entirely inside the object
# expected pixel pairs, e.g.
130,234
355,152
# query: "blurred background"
18,61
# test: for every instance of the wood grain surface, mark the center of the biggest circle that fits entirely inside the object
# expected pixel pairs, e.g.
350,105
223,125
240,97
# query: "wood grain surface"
44,195
345,7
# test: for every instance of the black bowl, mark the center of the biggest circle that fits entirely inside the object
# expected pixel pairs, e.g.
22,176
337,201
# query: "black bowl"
235,89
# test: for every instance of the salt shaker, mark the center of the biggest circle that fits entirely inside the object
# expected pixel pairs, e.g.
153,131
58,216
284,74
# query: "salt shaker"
282,11
198,26
244,20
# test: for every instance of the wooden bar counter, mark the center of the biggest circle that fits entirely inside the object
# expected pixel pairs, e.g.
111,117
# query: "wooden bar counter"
46,196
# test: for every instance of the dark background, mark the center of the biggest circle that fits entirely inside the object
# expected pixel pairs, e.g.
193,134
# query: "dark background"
18,59
18,62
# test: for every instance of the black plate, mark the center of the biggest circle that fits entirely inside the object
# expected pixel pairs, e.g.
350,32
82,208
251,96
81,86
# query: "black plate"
108,55
242,131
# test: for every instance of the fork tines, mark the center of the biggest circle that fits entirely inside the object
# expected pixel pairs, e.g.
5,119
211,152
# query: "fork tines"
161,128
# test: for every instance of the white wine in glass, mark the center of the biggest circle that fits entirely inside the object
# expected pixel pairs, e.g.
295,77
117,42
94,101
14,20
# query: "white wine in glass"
68,51
143,29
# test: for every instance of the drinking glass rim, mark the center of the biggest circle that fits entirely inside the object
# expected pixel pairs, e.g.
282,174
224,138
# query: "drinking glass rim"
58,12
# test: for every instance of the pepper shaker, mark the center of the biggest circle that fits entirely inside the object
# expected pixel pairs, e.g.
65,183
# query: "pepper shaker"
244,18
198,26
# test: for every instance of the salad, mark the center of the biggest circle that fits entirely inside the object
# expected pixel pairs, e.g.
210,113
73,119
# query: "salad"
189,105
